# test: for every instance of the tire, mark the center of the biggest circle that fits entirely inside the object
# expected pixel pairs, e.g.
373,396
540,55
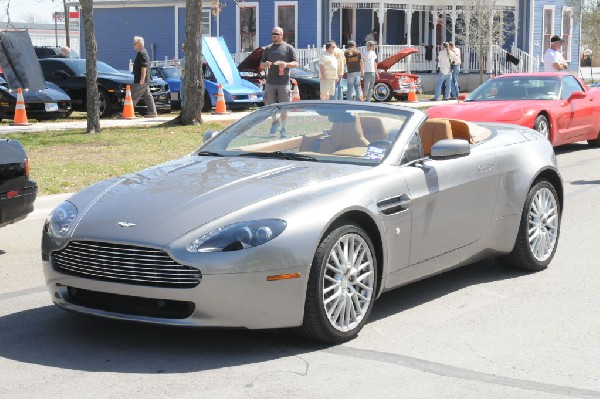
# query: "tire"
207,105
595,142
542,125
331,279
539,230
104,103
307,93
382,92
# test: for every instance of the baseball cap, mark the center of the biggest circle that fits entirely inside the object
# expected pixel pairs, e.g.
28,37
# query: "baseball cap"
556,38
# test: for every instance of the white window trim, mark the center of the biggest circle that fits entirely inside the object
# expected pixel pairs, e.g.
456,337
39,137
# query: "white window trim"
277,4
544,24
238,44
562,34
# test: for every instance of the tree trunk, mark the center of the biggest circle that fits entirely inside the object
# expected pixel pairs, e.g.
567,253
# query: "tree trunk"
67,27
191,111
91,55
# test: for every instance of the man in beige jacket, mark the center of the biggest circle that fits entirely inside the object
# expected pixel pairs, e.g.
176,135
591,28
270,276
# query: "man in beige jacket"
341,67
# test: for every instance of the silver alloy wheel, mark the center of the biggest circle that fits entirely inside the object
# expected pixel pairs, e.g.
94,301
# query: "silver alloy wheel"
544,128
348,282
543,224
101,103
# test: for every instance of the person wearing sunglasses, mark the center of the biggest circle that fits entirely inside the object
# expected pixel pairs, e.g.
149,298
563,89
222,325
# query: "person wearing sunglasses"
277,59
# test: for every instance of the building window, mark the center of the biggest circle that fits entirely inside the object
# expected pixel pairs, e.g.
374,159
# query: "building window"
286,17
548,27
247,29
567,31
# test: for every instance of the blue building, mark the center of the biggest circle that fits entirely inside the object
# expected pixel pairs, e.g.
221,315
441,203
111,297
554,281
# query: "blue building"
246,25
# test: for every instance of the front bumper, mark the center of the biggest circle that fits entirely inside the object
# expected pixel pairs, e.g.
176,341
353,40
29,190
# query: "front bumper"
245,300
38,110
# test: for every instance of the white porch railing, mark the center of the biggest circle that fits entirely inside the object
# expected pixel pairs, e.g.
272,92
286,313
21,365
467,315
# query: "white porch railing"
423,61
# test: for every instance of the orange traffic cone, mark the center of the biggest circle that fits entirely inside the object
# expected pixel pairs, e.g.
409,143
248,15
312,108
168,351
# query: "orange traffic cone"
295,91
128,112
362,97
412,94
20,118
220,108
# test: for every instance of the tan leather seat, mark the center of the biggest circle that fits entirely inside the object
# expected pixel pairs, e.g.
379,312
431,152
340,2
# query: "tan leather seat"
460,130
432,131
342,136
373,128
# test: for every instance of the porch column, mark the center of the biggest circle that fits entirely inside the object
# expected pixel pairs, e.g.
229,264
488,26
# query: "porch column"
381,18
467,56
408,15
516,27
453,16
489,55
426,17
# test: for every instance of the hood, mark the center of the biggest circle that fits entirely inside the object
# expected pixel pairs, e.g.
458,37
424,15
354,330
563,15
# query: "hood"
395,58
19,63
218,57
252,62
169,200
123,78
481,111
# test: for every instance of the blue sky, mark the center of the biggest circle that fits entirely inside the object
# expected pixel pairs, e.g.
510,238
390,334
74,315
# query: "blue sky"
22,10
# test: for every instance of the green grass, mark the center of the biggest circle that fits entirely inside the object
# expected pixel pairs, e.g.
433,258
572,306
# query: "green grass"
66,161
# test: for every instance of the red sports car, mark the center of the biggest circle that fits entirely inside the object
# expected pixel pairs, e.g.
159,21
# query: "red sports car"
559,106
395,84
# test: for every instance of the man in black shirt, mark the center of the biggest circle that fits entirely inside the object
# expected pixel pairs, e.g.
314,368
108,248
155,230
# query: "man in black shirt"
277,58
141,77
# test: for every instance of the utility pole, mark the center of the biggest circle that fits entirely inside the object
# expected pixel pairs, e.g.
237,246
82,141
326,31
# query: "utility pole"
67,27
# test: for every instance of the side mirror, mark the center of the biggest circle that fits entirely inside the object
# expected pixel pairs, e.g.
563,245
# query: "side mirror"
61,74
576,95
450,148
209,134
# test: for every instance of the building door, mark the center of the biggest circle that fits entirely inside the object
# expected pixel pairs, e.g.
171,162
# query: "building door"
347,26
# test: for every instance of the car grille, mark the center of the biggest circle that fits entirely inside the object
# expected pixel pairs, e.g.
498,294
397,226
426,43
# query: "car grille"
124,264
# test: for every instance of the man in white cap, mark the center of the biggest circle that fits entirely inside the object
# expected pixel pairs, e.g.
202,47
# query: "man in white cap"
553,59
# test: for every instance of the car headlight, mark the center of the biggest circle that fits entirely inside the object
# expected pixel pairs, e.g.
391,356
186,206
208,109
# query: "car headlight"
59,222
237,236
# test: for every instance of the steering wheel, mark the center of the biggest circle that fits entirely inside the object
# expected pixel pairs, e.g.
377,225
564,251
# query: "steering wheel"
385,144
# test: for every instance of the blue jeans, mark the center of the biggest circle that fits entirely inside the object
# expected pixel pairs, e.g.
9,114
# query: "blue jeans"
438,85
353,83
339,93
455,90
369,85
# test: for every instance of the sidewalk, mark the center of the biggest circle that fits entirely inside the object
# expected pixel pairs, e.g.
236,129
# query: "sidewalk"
104,123
37,127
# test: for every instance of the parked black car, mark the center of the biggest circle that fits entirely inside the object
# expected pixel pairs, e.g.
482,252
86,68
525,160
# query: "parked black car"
17,191
49,103
69,75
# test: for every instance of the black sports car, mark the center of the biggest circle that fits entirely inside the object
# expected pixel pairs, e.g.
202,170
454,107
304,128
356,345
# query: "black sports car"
69,75
49,103
17,191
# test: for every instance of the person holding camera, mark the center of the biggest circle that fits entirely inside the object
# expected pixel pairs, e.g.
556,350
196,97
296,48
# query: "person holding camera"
455,67
445,59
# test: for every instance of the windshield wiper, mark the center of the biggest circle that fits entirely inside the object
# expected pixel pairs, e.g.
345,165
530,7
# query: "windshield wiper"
209,154
280,154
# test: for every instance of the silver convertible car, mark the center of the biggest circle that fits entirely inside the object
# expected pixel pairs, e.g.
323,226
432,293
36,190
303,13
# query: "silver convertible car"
300,215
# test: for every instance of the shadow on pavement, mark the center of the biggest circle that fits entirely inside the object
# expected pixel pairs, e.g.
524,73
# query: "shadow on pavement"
568,148
52,337
429,289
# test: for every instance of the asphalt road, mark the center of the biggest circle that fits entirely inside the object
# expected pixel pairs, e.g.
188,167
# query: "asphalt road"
476,332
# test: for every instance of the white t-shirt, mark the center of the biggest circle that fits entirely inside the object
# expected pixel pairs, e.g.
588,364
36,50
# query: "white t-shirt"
550,58
330,65
370,61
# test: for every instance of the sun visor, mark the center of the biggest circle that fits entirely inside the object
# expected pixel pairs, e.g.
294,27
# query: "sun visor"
19,62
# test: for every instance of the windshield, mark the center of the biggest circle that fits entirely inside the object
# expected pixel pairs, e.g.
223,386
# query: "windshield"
78,66
341,133
301,73
170,73
517,88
